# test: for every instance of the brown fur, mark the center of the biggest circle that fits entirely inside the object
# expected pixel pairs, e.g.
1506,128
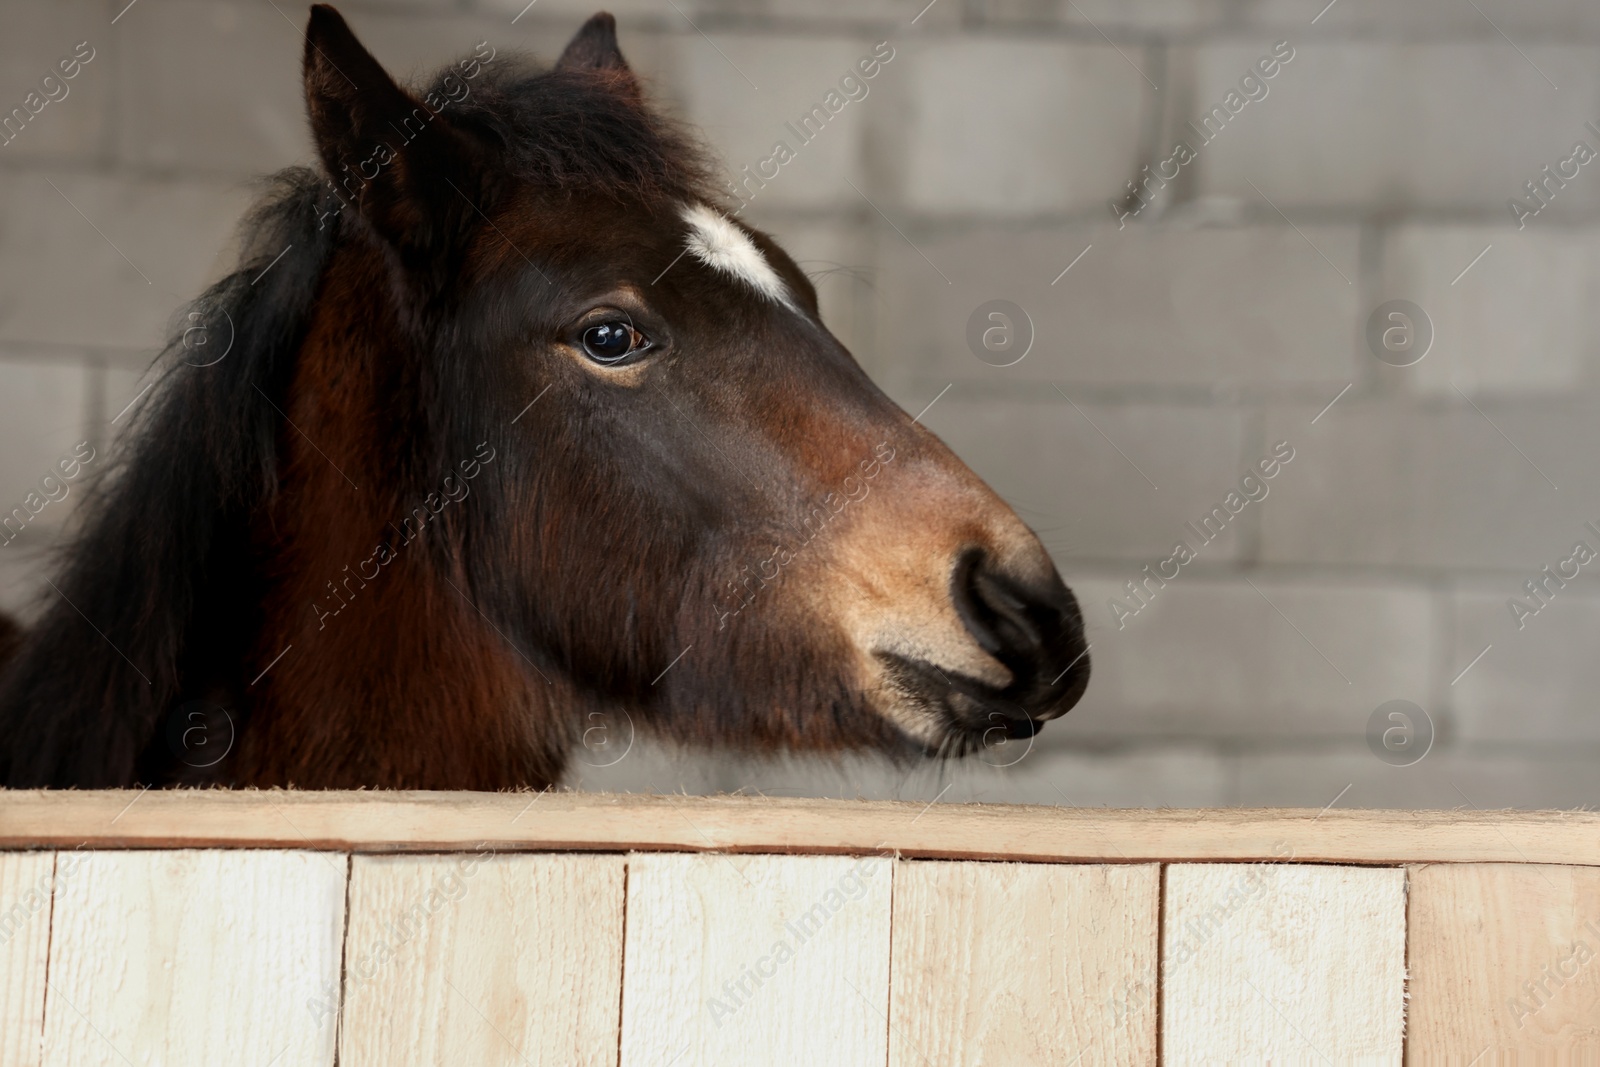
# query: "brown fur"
413,533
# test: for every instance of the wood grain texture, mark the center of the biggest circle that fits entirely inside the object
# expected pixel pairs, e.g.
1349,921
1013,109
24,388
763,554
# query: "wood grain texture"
1287,964
26,879
192,959
437,822
756,961
1011,964
483,960
1504,958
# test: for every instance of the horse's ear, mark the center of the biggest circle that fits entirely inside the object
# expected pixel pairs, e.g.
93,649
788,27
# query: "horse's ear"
416,179
594,47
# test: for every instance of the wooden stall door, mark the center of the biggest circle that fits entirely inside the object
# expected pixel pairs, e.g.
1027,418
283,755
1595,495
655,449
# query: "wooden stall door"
26,884
756,961
1283,964
195,958
1017,964
489,961
1505,963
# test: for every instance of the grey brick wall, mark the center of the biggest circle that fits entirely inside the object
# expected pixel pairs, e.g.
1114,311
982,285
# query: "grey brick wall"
1184,341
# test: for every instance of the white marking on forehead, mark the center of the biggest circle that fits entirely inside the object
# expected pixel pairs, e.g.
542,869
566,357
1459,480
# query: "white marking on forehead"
721,245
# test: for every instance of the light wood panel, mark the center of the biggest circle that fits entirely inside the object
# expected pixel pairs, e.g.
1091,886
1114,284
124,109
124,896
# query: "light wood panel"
1011,964
758,960
192,959
484,960
381,821
1504,958
1292,964
25,891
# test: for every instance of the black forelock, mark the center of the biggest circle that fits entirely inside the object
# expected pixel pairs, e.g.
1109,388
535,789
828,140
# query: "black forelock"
579,131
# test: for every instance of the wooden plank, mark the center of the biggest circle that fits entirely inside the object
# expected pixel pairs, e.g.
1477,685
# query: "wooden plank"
194,958
1295,964
26,879
1011,964
372,821
483,960
764,960
1505,959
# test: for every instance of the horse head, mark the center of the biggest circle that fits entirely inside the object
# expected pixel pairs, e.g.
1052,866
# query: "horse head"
557,433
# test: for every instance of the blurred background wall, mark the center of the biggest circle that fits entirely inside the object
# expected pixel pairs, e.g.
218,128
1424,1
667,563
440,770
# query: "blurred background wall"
1175,334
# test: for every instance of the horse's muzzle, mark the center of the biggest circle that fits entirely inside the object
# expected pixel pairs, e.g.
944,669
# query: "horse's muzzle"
1034,629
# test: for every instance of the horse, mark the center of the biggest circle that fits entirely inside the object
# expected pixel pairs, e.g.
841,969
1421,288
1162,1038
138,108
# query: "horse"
502,423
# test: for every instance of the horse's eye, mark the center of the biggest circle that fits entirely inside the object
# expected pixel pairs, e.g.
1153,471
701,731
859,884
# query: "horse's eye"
612,342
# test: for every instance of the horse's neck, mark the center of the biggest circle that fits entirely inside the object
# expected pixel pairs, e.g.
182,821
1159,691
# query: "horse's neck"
401,685
389,674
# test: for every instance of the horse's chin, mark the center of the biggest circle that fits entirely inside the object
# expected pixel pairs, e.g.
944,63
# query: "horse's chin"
947,713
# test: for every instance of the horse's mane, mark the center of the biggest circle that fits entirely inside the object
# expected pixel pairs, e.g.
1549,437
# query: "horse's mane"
200,455
569,131
153,604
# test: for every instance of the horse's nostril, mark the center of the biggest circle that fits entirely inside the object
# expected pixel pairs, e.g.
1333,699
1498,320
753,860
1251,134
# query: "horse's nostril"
1001,616
1035,630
